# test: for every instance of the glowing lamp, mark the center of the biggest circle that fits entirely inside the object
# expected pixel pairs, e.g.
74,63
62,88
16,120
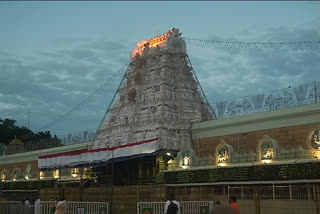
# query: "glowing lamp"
168,154
56,173
3,177
266,161
41,175
74,173
222,164
317,154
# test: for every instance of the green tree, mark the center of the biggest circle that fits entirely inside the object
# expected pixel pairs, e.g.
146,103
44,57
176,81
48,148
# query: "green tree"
9,130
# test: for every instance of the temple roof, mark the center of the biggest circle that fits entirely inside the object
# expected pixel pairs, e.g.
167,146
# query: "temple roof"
16,141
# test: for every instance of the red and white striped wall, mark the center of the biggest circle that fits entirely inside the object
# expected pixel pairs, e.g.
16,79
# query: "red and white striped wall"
93,156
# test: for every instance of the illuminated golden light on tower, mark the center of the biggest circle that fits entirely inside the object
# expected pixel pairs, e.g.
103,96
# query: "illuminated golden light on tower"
152,43
157,40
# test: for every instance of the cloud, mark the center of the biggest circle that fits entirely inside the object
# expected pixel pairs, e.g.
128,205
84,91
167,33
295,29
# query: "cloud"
227,73
60,78
57,81
4,106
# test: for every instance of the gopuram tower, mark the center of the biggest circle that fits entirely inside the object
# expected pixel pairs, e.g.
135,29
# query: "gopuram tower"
159,97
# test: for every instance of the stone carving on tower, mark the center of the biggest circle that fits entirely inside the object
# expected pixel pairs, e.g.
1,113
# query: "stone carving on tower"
158,98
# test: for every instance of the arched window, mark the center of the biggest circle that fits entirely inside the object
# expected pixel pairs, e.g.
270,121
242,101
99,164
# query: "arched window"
224,153
315,140
267,148
185,157
4,175
16,174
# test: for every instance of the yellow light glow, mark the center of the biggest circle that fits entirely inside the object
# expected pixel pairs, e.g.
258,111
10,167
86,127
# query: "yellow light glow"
14,179
317,155
152,43
56,173
41,175
26,177
222,164
3,177
74,172
266,161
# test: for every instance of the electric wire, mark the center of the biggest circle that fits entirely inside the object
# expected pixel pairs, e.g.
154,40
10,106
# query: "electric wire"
79,105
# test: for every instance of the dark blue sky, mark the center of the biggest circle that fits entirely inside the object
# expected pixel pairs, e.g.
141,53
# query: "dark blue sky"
53,54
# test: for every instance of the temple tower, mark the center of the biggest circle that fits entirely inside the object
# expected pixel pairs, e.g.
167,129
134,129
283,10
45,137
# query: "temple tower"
158,98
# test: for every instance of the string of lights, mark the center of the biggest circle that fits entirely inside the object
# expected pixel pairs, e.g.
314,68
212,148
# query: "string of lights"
266,46
203,94
82,103
113,98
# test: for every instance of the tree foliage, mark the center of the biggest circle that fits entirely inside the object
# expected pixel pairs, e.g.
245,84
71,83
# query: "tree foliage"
9,130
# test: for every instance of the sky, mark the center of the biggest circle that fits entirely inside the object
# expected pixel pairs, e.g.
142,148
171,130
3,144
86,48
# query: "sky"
54,54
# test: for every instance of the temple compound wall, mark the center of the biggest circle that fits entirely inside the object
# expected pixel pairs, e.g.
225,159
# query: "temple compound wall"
288,134
256,184
267,146
269,161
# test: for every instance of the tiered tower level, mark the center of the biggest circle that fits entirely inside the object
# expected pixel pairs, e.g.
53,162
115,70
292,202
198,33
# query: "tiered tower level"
159,97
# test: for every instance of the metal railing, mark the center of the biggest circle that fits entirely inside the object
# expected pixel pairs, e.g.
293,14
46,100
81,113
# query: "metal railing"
279,199
186,207
269,101
274,192
278,207
76,207
7,207
15,207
